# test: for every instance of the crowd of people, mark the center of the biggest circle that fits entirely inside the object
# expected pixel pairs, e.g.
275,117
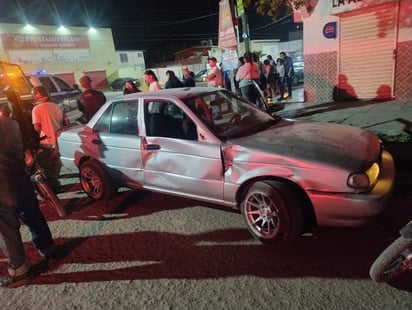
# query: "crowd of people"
274,78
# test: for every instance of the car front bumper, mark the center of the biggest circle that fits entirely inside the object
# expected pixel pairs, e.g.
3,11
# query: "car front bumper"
332,209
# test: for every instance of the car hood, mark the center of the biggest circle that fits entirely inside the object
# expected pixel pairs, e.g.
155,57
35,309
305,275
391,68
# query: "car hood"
330,144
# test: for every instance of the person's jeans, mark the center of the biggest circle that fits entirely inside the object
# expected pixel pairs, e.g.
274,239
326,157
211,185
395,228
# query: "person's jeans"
249,92
49,160
10,238
289,80
29,212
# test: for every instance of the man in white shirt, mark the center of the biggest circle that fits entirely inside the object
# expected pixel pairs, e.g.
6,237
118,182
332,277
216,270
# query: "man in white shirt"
47,119
214,79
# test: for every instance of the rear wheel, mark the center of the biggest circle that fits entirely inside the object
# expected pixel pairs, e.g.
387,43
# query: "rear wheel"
96,182
272,212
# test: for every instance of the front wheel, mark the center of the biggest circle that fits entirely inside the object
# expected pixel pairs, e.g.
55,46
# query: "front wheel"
394,260
272,212
95,181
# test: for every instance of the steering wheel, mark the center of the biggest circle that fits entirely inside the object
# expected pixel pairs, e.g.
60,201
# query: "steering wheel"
234,120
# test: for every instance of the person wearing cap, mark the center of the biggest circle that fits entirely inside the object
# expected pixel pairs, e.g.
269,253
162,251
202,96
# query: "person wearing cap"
91,99
188,77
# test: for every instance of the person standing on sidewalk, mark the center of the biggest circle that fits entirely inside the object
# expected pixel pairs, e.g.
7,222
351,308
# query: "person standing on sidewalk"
172,80
18,201
188,77
215,79
130,88
289,72
151,80
246,74
91,99
280,78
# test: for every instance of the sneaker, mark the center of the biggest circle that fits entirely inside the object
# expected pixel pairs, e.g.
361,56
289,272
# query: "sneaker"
17,277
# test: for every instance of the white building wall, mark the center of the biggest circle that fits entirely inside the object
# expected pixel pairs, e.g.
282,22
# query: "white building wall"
99,56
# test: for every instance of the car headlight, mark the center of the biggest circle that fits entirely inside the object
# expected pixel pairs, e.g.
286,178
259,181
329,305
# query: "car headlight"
364,180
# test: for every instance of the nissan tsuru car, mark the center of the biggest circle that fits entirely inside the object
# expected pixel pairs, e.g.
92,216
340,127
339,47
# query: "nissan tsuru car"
209,144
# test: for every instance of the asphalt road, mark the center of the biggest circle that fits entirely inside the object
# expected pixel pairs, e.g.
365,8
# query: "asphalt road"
150,251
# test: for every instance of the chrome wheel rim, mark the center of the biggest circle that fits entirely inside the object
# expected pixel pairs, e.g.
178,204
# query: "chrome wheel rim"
262,215
91,183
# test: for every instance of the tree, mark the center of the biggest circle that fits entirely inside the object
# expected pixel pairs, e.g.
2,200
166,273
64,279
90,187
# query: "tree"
274,8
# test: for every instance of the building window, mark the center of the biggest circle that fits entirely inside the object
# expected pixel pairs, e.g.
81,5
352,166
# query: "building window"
123,58
139,55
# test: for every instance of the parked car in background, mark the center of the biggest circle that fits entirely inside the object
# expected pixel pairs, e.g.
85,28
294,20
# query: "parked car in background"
298,68
285,176
118,84
201,76
61,93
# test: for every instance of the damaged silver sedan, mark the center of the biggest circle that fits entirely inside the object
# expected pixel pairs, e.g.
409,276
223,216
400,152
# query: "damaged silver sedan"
209,144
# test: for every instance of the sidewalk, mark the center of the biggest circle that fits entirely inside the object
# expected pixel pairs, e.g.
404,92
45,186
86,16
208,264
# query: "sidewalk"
390,120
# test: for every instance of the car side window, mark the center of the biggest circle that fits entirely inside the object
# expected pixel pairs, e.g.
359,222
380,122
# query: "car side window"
119,118
103,124
124,118
166,119
46,81
62,84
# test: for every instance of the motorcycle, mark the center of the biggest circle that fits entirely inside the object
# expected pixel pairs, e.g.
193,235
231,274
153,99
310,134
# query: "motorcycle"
396,259
41,184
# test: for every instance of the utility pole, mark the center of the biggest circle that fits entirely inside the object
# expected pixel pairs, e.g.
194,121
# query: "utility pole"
245,34
240,13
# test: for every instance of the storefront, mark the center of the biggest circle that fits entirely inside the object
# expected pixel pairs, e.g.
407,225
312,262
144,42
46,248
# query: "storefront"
357,49
66,52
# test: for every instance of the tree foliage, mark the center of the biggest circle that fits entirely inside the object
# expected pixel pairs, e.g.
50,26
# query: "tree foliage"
274,8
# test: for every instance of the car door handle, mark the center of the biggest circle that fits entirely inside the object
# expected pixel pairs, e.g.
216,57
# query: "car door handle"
152,147
96,141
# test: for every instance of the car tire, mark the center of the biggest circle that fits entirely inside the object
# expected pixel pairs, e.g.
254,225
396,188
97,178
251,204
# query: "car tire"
393,261
96,182
272,212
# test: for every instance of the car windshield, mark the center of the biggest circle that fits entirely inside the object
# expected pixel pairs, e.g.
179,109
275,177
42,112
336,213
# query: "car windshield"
227,115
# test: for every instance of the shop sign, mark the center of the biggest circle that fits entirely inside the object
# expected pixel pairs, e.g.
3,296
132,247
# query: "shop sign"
16,41
227,36
330,30
342,6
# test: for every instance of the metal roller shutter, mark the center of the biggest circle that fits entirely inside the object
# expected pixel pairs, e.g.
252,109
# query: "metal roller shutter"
367,42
